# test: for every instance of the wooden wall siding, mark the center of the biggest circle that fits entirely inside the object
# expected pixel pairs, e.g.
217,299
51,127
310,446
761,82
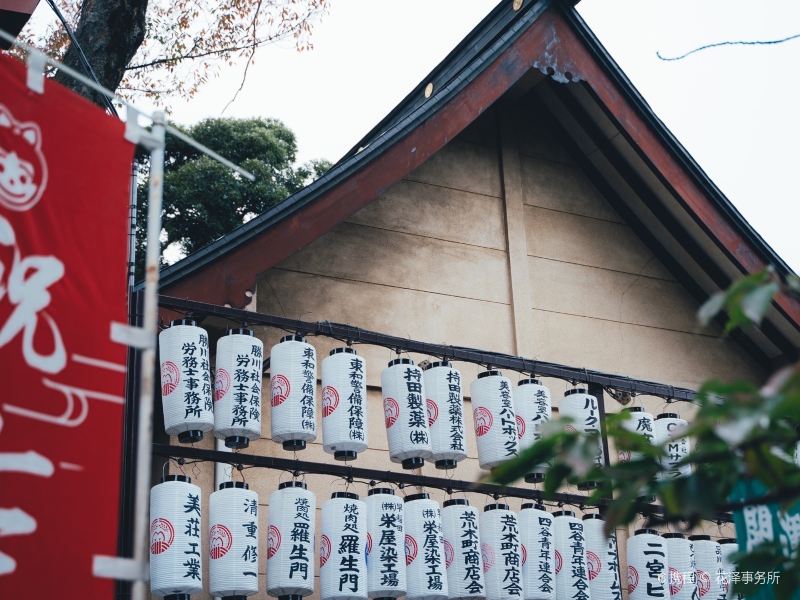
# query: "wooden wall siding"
429,260
600,298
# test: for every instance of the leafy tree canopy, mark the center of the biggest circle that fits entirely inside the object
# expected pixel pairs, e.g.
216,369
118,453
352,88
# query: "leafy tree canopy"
203,200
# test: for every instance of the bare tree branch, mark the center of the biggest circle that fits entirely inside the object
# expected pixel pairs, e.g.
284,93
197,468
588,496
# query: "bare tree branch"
729,43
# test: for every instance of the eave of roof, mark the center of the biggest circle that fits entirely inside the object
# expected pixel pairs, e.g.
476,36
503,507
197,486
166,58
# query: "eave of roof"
486,41
491,59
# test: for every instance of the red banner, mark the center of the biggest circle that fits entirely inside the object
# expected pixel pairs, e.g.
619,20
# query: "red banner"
64,193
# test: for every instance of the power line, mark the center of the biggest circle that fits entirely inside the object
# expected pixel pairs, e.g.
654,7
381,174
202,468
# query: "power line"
81,55
729,43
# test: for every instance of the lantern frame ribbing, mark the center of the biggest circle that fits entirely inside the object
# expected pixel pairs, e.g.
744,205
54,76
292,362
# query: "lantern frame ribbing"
237,388
186,392
344,404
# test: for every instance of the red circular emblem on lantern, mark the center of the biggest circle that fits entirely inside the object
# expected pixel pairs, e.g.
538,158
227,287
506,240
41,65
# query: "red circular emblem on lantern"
487,555
220,540
524,554
162,533
324,550
633,578
369,543
273,541
280,388
391,411
570,428
330,400
703,582
433,411
559,561
675,581
483,420
520,427
411,549
593,563
449,554
624,456
170,377
222,383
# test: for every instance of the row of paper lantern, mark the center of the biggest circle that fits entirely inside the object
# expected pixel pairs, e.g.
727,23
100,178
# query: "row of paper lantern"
423,410
388,546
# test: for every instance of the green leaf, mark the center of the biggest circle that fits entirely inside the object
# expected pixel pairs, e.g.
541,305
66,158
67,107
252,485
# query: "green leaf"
711,308
756,303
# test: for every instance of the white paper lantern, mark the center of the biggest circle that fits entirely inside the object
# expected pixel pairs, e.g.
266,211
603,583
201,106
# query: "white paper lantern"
538,552
342,548
583,409
462,550
680,558
293,392
648,566
495,421
572,574
185,381
233,541
386,558
176,566
640,422
406,418
602,559
237,388
729,546
667,427
501,553
708,567
533,407
290,541
426,577
344,404
445,404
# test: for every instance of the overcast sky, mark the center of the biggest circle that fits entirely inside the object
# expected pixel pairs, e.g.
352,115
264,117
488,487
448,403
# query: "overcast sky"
733,108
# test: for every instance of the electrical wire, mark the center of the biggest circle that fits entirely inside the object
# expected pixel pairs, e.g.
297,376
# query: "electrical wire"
87,67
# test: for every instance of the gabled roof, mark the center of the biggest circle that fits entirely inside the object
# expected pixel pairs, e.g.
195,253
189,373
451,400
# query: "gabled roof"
630,155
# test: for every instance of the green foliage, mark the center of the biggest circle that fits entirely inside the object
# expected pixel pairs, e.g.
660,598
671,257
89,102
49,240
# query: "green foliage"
740,432
204,200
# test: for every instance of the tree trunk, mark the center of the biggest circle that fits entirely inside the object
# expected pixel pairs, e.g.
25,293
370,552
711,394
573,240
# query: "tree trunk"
110,32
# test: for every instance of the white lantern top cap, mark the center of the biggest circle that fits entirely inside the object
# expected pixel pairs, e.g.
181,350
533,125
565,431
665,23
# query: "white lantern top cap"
348,495
233,485
341,350
181,478
422,496
456,502
496,506
184,321
529,381
668,416
400,361
438,363
240,331
490,373
388,491
727,541
679,536
291,484
577,390
294,337
700,537
537,506
650,531
592,516
563,513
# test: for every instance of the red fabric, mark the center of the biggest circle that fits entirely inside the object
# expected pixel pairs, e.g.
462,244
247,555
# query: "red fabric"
64,191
